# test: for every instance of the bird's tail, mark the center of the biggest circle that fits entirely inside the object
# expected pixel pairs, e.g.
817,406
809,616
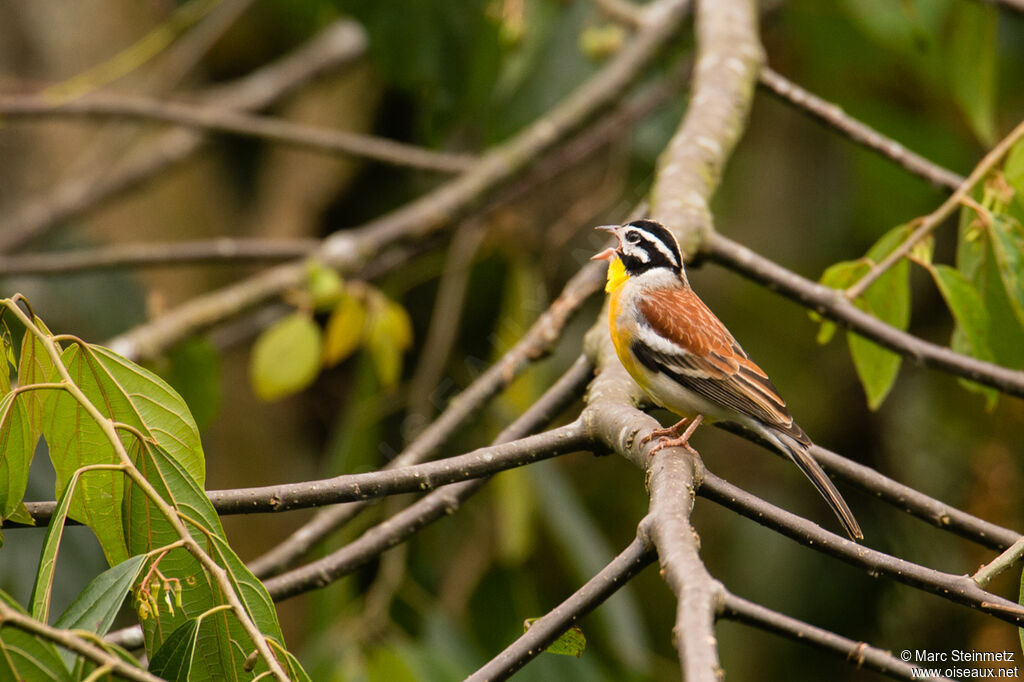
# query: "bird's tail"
798,452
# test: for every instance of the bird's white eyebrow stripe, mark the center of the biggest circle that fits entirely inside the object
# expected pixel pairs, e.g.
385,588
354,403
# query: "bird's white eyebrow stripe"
659,244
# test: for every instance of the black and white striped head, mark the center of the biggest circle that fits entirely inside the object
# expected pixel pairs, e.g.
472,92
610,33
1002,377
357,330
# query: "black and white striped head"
646,245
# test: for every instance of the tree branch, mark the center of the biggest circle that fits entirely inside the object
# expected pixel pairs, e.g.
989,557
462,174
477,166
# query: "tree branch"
936,217
903,497
859,654
833,116
10,617
428,509
956,588
223,250
218,118
538,340
338,44
833,305
550,627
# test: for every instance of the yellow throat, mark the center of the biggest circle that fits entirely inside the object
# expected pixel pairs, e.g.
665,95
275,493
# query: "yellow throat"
616,275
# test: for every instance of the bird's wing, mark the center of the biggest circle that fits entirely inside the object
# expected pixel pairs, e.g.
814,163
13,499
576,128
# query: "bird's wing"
680,336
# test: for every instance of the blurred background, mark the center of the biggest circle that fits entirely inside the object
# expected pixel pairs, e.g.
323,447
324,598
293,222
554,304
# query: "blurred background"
460,76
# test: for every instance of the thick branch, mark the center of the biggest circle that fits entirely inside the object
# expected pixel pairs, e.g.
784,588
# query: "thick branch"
833,305
218,118
550,627
729,57
340,43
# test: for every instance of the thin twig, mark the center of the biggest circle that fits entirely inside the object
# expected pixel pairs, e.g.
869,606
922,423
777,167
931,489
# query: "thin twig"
860,654
832,115
548,628
833,305
984,575
901,496
217,118
223,250
339,43
936,217
956,588
10,617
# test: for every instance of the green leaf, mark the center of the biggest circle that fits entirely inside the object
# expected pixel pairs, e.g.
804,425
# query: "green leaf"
1013,170
345,329
1008,245
173,660
966,306
971,65
24,656
977,261
36,367
571,643
96,606
22,515
838,276
286,357
972,324
221,637
160,409
7,347
388,337
194,372
128,394
888,299
17,445
43,588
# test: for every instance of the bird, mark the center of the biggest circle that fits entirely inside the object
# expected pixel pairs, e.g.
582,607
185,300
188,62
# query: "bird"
686,360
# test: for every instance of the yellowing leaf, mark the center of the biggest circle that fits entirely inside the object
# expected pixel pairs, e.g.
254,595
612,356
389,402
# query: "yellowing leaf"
344,329
286,357
388,337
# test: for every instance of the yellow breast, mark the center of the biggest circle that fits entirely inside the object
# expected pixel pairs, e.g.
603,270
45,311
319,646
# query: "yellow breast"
621,334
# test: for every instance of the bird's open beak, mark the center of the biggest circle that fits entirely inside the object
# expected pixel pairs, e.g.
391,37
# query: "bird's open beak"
607,254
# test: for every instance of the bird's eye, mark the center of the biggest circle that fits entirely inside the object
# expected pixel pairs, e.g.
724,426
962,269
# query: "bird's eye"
633,238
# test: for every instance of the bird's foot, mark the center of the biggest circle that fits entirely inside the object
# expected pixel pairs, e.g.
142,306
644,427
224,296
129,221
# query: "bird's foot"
679,440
